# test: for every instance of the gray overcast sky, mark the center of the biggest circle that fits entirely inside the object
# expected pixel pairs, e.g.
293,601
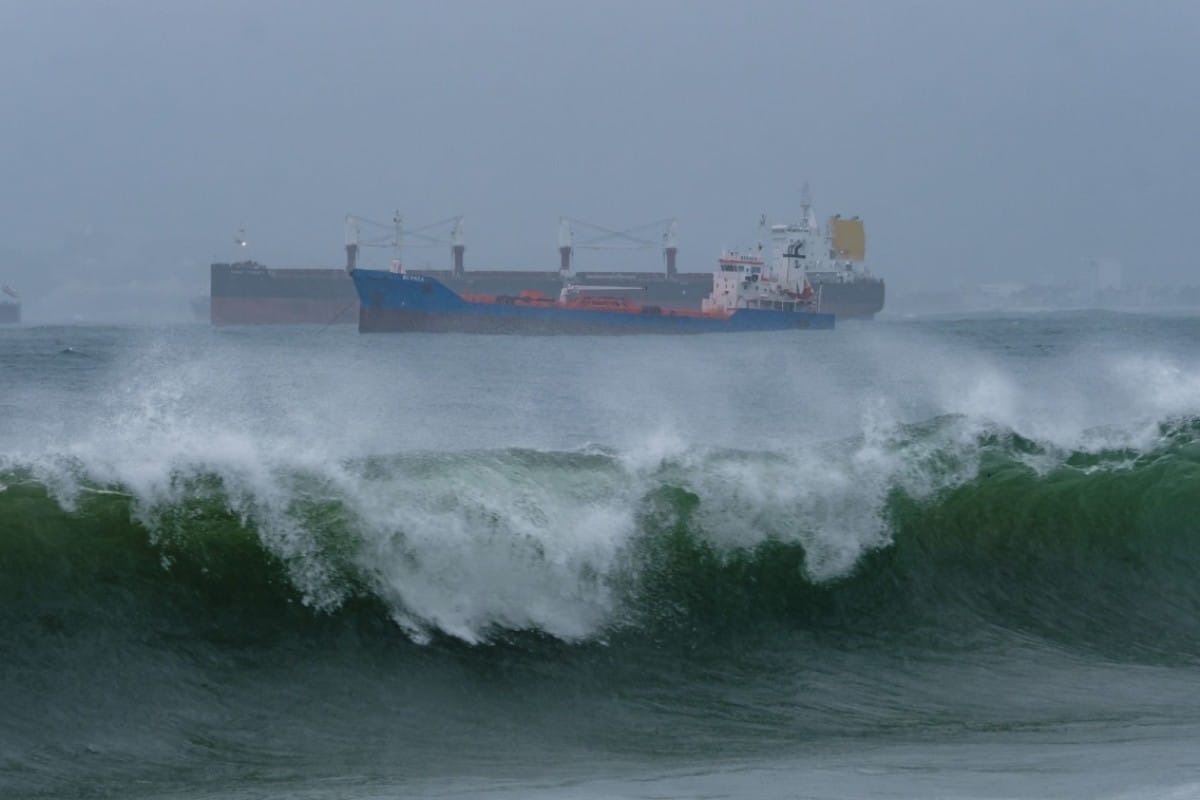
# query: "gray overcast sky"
980,140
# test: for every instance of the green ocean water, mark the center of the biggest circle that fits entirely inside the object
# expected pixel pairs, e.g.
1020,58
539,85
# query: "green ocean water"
933,557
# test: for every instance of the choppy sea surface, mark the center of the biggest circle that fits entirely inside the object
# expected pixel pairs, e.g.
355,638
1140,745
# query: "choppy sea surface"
951,557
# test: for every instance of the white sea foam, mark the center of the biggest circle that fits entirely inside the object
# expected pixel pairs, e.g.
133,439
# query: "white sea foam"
508,497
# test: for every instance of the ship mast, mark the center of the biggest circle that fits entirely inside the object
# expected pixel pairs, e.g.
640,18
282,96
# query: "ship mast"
352,233
397,239
566,241
810,219
239,241
457,247
671,246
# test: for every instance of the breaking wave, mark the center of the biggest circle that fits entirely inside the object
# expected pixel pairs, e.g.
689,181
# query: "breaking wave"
947,526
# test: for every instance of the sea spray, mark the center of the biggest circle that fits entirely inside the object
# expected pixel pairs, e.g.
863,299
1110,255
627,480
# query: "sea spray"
474,543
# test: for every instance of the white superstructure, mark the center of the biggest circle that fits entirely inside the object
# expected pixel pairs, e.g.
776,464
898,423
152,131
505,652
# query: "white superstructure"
746,281
800,255
778,282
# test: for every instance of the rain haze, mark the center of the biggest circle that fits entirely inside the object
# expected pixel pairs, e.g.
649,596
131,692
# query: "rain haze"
916,524
979,141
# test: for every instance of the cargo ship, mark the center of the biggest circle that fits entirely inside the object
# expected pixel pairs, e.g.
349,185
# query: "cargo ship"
10,305
246,292
747,295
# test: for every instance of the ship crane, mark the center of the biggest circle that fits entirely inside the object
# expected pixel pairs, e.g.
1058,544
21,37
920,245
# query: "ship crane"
602,238
397,237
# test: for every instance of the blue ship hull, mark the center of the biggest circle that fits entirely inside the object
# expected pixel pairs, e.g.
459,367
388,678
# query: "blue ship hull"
404,302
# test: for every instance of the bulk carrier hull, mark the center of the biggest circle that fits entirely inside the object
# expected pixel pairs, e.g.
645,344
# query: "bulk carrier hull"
251,294
396,302
248,293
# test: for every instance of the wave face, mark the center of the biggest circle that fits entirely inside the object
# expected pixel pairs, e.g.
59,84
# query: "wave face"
931,525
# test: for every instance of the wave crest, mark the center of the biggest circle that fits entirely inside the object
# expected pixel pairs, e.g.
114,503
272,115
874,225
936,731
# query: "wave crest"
905,526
